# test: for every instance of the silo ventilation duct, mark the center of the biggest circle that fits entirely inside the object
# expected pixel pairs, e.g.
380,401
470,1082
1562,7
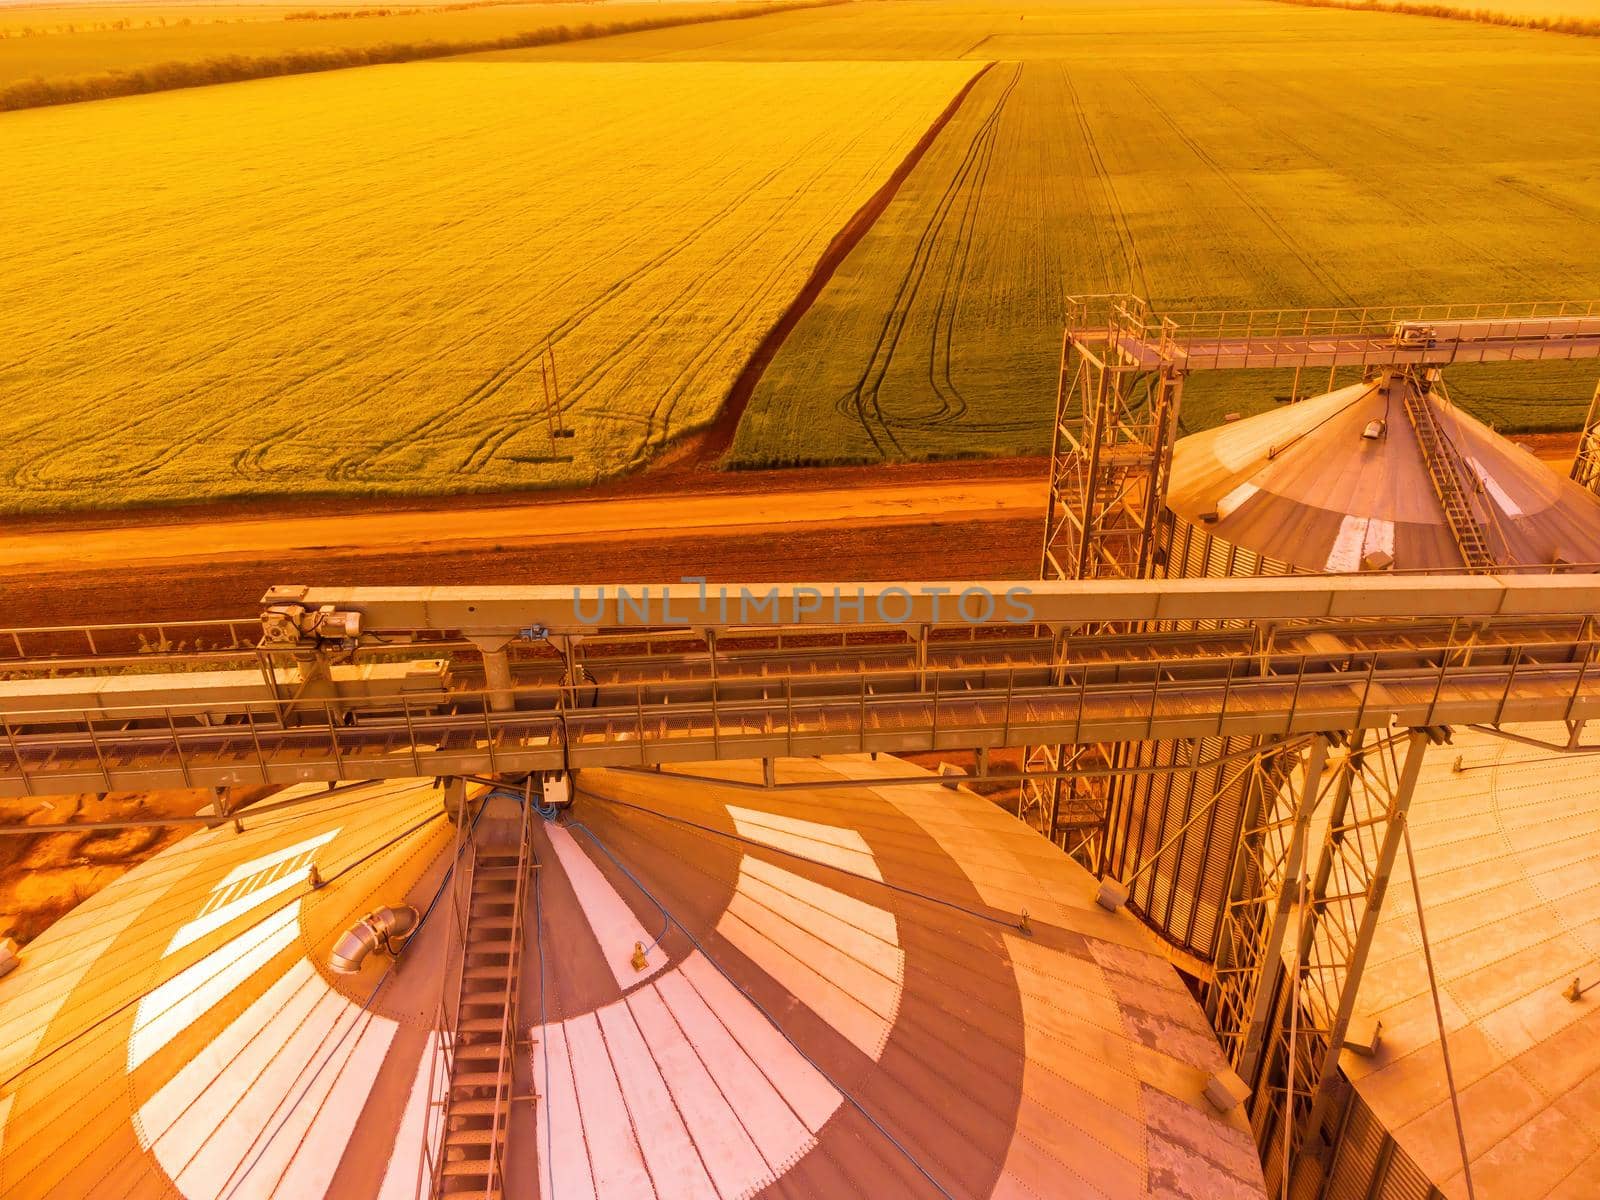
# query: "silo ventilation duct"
386,929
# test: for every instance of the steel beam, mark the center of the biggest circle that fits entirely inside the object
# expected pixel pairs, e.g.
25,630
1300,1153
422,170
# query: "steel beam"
1586,463
687,607
1282,1004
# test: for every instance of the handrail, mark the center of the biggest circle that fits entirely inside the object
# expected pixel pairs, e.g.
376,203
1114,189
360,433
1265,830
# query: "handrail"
1288,692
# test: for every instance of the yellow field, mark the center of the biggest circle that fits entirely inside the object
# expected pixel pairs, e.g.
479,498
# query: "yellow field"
205,43
351,294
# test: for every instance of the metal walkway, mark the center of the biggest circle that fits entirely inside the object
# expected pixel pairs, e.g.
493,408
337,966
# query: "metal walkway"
648,695
1433,335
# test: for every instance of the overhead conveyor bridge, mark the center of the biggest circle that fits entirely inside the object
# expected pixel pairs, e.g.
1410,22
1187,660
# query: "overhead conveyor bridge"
548,679
1427,335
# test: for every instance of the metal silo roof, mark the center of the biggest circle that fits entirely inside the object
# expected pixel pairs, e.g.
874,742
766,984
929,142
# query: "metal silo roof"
1508,860
1303,485
838,989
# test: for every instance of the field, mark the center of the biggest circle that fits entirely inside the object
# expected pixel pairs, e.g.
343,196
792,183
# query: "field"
1581,12
341,283
1223,154
93,54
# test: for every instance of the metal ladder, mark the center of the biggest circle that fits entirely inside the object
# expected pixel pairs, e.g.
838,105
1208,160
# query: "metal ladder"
480,1032
1446,470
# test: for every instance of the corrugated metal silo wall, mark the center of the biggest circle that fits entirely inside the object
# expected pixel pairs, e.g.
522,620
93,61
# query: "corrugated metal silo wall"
1181,896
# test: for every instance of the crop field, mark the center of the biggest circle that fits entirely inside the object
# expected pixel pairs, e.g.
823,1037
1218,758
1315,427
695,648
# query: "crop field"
341,283
1223,154
1579,10
91,47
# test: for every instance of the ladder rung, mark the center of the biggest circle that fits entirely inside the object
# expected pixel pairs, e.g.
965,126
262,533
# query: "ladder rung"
473,1137
475,1108
481,1079
479,1050
475,1166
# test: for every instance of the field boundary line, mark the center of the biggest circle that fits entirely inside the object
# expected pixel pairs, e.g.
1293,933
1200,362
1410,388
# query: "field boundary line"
1577,26
179,74
714,440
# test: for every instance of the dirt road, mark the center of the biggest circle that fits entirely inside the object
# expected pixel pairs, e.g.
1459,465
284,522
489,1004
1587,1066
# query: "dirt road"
929,521
573,522
914,521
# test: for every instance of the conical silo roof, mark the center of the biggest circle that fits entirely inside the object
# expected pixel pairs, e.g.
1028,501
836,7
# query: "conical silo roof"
1341,483
1507,849
838,993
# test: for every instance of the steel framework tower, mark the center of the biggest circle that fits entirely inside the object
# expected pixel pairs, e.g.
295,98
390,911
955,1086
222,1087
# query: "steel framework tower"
1586,464
1308,883
1111,447
1111,450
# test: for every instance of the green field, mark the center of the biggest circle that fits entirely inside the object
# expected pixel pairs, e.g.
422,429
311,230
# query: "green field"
341,283
1215,155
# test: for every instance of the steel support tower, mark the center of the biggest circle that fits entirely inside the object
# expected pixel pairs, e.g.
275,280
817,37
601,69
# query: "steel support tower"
1308,883
1111,450
1586,464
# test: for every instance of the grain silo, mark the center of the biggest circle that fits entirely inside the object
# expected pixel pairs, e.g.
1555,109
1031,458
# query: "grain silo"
1506,838
715,990
1382,475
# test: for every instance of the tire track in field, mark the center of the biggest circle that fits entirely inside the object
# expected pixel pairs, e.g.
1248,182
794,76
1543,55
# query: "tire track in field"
953,403
622,355
1362,181
1260,211
368,464
714,442
1133,264
862,403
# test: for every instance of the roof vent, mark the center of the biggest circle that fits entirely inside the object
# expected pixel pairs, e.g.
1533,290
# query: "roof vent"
1376,428
387,929
1112,894
1377,560
8,956
1226,1090
1363,1035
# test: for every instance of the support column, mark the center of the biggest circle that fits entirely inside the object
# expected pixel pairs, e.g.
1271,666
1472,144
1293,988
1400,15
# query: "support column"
1282,1007
496,672
1586,463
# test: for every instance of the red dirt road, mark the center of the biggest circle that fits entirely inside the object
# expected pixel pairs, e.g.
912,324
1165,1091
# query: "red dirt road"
934,521
915,521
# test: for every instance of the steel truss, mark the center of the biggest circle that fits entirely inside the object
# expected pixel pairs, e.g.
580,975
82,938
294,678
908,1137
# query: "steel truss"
1309,877
1586,464
1111,446
1111,450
